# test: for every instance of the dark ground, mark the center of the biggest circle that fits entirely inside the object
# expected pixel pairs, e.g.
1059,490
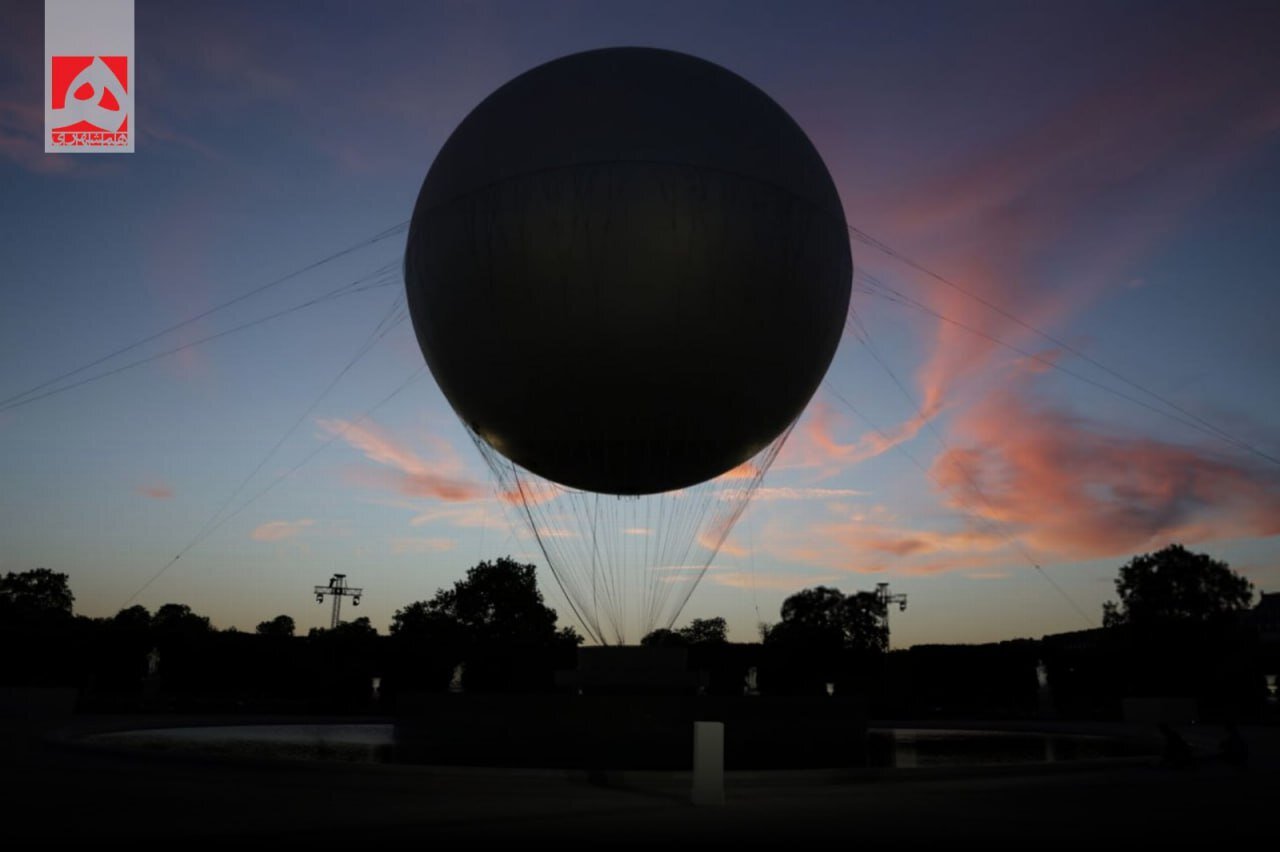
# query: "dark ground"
55,791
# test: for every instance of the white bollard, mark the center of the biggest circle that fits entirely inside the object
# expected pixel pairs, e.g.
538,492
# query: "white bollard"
708,763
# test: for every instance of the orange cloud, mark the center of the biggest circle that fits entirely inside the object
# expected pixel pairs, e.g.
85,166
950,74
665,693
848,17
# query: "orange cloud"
1027,478
421,545
714,535
280,530
774,493
857,544
477,514
710,539
747,470
1043,361
956,562
814,444
376,444
1065,485
441,479
555,532
156,491
768,580
1165,133
532,490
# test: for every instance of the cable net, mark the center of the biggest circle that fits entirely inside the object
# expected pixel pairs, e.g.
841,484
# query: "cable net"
627,565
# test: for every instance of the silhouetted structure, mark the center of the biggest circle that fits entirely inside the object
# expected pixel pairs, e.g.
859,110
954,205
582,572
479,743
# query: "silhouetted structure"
338,589
886,600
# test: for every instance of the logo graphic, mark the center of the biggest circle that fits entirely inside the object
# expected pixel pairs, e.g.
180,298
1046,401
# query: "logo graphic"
90,101
89,82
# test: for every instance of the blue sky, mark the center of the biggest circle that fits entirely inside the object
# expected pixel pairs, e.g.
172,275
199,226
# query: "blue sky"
1104,172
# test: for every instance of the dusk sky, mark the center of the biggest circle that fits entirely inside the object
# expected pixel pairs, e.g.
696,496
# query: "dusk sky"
1107,173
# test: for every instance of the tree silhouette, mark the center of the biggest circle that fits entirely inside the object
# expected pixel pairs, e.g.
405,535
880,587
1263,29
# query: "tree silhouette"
135,618
494,620
36,595
421,620
664,637
825,638
498,603
700,631
1175,629
823,617
174,618
281,625
1174,586
705,631
357,628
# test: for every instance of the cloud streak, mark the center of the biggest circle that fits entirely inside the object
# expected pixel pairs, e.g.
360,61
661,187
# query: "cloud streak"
855,543
767,494
411,545
406,472
1028,480
156,491
1163,134
815,444
771,581
1065,485
280,530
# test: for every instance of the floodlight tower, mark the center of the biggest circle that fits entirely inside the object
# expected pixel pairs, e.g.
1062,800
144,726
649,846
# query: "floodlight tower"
338,589
883,596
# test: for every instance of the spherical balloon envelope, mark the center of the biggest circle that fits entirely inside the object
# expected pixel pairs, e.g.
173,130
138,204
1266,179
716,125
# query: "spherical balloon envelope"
628,270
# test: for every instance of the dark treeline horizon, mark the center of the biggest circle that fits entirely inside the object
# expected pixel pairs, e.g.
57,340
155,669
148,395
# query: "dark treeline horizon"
1183,627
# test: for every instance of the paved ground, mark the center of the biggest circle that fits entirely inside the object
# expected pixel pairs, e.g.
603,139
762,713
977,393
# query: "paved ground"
60,793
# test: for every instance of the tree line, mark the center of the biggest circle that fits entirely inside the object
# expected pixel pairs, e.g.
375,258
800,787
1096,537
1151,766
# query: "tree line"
1175,627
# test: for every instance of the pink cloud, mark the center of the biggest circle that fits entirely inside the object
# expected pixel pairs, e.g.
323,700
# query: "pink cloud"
428,485
1165,132
1043,361
191,363
767,580
280,530
376,444
814,442
532,491
1026,479
477,514
989,222
747,470
710,539
156,491
857,544
443,478
421,545
768,494
953,563
555,532
1064,484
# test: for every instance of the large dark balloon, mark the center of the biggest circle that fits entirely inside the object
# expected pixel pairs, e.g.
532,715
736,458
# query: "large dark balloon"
628,270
